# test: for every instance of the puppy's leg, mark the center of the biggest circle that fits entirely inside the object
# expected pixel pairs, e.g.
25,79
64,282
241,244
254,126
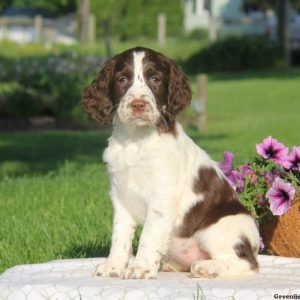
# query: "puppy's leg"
152,246
123,233
233,246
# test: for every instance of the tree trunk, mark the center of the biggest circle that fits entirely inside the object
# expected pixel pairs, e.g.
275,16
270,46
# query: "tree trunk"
283,29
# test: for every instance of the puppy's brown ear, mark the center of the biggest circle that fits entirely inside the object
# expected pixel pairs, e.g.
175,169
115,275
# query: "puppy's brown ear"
179,91
96,98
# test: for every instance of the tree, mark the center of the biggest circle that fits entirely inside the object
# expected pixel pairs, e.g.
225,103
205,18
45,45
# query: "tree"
263,5
283,29
4,4
58,7
282,9
132,18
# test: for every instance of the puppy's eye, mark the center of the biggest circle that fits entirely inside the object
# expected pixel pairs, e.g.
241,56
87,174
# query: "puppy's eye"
155,79
123,80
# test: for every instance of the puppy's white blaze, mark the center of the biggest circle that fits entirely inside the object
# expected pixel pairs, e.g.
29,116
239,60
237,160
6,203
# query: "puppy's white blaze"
139,87
138,90
138,69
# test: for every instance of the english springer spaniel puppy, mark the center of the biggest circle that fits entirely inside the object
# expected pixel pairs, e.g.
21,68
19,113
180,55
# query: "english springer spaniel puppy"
193,220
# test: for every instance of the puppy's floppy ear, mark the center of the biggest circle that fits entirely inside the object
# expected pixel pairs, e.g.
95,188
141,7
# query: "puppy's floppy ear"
179,91
96,98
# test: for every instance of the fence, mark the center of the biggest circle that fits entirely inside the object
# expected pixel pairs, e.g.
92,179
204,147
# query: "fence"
38,29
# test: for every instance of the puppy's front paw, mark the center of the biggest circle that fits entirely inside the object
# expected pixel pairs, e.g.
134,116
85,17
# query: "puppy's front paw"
108,269
137,272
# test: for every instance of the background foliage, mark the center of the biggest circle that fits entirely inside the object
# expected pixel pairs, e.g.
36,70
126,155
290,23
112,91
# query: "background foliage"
132,18
128,18
234,53
45,85
36,81
266,4
58,7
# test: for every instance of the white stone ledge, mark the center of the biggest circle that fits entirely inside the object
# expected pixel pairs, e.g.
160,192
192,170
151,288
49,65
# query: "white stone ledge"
72,279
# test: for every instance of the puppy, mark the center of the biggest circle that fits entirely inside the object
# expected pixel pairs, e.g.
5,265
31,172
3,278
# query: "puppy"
193,220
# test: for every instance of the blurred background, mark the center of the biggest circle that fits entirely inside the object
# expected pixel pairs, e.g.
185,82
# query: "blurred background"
50,49
242,58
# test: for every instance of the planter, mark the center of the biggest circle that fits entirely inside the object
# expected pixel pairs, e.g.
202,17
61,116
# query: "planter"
281,235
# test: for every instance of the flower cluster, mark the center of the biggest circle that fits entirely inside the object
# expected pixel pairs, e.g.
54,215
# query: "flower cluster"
268,184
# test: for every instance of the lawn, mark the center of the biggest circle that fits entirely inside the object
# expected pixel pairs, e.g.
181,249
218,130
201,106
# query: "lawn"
54,188
177,48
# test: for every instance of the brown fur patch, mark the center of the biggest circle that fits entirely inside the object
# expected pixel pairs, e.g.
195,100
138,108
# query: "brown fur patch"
244,251
219,201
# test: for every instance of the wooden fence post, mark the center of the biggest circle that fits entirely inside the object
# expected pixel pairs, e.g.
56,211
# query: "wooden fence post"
84,9
92,29
107,39
38,26
49,32
200,103
161,29
4,26
212,22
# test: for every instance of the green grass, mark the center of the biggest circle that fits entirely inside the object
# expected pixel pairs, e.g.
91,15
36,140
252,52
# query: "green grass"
177,48
244,108
53,201
55,215
54,188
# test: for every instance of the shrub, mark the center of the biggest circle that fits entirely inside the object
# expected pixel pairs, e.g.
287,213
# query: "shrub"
46,85
234,53
198,34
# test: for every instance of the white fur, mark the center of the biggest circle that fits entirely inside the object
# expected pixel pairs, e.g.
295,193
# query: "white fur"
220,239
152,178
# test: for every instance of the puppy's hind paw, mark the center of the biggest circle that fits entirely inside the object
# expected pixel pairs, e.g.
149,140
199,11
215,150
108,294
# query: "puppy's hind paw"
207,268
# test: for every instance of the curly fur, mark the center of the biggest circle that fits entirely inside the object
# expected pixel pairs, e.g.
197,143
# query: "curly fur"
97,99
179,90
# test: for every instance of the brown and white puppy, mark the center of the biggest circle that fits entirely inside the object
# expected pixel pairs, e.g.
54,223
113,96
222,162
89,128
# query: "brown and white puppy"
193,220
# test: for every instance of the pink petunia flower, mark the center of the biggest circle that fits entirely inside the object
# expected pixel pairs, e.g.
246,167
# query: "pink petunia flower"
227,164
236,179
261,244
280,196
251,173
270,148
246,170
269,177
293,160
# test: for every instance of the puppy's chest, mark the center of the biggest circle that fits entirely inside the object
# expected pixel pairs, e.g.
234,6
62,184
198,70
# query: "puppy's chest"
133,172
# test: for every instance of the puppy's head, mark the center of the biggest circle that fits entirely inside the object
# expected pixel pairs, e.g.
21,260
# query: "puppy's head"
140,87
